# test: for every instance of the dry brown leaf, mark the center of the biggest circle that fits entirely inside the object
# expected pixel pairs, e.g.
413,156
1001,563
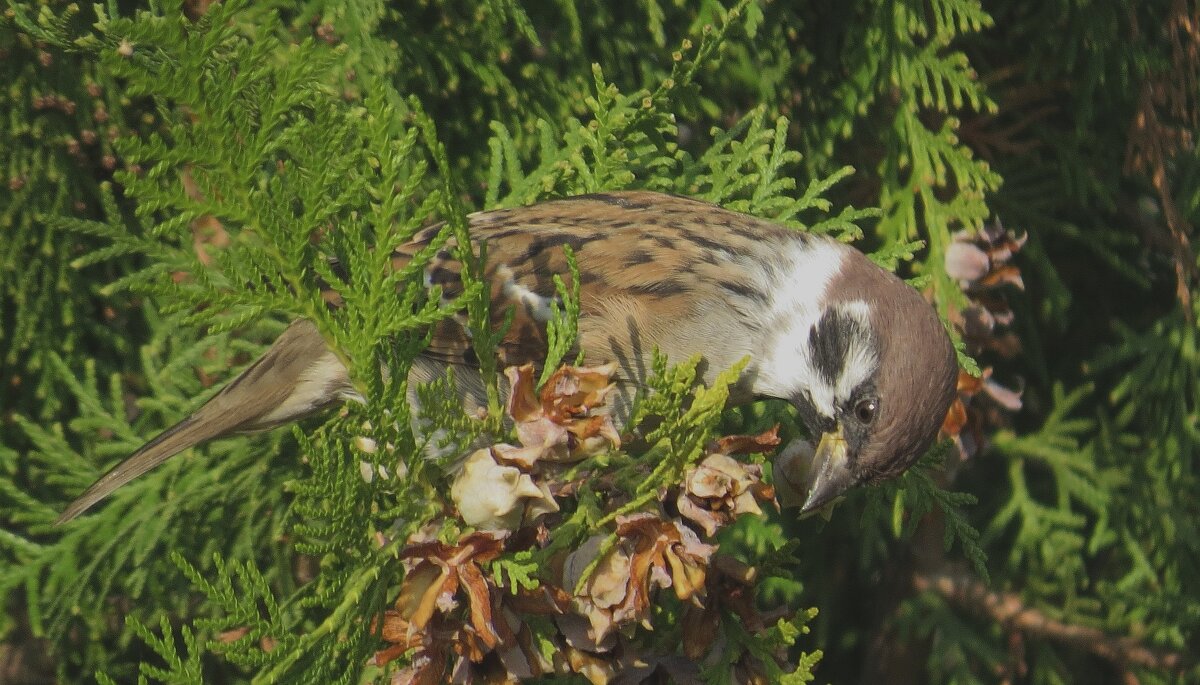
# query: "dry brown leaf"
557,424
419,594
598,671
981,262
437,572
747,444
720,488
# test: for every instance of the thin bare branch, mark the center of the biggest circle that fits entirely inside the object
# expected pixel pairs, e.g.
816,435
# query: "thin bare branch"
1009,610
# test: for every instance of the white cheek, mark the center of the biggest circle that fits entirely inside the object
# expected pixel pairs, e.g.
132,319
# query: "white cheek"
857,310
788,367
861,359
822,398
861,364
785,366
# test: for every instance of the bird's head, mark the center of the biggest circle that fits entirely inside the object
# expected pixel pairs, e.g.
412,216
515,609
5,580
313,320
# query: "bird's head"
873,375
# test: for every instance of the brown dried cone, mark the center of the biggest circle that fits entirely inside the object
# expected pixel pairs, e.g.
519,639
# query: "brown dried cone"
485,638
720,488
653,553
650,553
494,645
437,574
731,589
558,423
980,264
494,489
494,496
980,406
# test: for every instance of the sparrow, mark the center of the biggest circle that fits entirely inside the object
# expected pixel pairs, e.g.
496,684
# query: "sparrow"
864,359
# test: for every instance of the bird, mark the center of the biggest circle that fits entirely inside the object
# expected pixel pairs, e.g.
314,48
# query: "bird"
862,356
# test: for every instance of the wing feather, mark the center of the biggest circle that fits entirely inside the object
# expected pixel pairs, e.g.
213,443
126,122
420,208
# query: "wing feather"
647,262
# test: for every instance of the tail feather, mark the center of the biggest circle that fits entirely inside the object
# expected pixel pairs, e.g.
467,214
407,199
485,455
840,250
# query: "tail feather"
298,376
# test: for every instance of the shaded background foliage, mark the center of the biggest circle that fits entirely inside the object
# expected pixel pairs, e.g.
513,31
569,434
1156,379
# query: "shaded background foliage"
1072,121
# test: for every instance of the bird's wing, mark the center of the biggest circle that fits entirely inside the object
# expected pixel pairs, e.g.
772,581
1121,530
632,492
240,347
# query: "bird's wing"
637,265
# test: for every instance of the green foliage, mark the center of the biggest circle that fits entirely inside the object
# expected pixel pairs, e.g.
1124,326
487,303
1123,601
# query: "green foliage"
686,416
178,178
178,669
782,635
62,117
518,572
562,329
916,494
126,552
679,438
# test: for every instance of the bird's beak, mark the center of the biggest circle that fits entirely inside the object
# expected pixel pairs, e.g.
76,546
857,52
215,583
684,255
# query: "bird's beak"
829,476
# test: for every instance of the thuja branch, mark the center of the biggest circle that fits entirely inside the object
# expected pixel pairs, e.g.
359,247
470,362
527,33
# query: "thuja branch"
1155,139
1009,610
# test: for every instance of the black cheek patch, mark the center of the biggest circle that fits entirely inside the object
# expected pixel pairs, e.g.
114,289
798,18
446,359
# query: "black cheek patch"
830,340
810,417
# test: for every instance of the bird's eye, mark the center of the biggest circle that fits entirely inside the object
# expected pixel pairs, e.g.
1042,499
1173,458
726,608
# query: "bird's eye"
865,410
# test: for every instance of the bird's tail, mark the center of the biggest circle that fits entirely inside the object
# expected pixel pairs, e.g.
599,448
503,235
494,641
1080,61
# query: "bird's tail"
298,376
